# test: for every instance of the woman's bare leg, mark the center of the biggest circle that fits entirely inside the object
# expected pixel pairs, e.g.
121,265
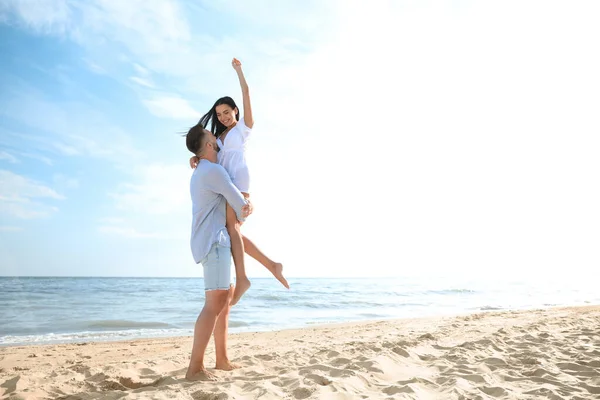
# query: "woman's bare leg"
242,283
274,267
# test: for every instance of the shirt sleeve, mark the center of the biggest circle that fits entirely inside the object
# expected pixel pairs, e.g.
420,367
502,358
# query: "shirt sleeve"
244,129
218,181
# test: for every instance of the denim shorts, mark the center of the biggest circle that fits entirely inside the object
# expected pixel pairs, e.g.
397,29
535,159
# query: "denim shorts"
217,268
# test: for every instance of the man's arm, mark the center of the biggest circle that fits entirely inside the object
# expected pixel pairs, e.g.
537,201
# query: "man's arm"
219,182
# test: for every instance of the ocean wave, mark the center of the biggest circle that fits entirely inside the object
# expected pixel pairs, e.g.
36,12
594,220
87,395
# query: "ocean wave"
452,291
268,297
371,315
125,324
69,309
237,324
329,304
91,336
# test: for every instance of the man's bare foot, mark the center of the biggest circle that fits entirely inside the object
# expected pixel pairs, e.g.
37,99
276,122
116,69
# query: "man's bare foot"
278,268
227,365
201,375
241,285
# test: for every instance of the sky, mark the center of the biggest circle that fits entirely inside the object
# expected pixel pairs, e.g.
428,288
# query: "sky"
391,137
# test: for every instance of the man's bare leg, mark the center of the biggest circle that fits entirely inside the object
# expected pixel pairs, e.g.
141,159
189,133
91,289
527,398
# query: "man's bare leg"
242,283
274,267
220,336
205,324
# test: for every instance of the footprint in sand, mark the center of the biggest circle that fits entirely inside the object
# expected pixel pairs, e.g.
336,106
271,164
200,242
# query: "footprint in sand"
494,391
287,382
111,385
10,385
543,393
416,380
539,372
401,352
392,390
594,363
334,372
81,369
574,369
302,393
201,395
148,373
340,362
332,354
494,362
369,366
265,357
318,379
471,377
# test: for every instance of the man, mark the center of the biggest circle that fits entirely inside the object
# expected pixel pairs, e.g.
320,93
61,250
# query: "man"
211,189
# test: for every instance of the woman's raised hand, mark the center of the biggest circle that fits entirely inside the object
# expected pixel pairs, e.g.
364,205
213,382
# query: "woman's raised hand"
236,64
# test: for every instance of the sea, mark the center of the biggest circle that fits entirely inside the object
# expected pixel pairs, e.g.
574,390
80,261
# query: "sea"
43,310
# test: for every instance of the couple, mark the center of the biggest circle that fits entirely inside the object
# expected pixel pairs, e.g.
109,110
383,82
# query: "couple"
220,204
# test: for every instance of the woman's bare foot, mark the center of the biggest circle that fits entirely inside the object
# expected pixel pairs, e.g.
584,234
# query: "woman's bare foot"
241,286
278,273
227,365
201,375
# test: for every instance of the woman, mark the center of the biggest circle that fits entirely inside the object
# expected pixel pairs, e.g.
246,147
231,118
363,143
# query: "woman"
232,134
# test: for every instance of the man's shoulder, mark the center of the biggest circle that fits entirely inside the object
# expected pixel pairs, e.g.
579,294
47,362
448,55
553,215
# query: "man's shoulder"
208,169
211,167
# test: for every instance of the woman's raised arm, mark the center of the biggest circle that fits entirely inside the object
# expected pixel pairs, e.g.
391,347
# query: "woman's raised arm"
248,120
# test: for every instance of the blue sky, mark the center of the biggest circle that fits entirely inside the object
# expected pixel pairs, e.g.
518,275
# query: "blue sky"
391,137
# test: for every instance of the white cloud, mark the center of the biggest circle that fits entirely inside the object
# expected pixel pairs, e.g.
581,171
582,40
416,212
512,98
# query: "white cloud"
11,229
158,189
142,81
78,129
26,143
112,221
147,224
95,68
19,196
24,208
153,28
163,37
14,141
172,107
143,76
66,150
66,182
16,186
141,70
127,232
8,157
155,204
43,16
37,158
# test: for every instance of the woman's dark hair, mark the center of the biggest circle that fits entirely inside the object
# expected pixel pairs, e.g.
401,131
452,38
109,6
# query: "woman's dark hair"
216,127
195,138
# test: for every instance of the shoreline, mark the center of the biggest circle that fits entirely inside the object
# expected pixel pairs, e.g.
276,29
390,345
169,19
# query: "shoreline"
520,354
265,330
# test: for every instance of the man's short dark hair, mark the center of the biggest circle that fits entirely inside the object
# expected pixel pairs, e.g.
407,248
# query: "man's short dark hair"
195,138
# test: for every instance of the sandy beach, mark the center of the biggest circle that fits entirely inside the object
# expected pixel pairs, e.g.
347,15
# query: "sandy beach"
537,354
